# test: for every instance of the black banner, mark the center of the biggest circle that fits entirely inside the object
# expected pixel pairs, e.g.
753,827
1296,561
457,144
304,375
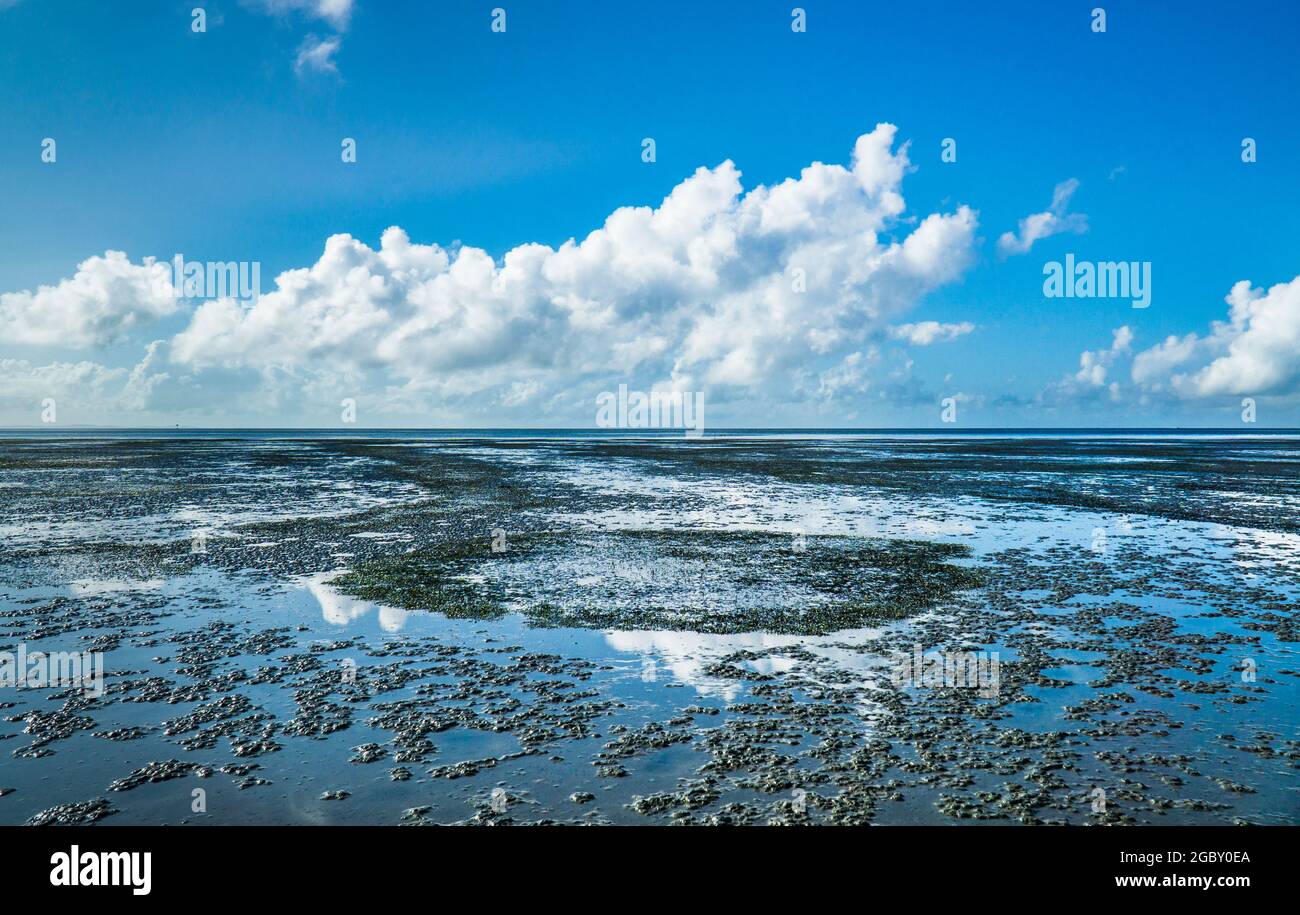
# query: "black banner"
139,865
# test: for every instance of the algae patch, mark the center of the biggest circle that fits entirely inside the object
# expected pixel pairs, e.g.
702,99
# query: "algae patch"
698,581
431,578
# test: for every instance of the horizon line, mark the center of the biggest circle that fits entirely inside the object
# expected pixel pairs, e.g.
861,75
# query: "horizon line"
55,429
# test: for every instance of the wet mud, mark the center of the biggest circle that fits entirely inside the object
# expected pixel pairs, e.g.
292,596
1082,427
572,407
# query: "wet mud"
503,631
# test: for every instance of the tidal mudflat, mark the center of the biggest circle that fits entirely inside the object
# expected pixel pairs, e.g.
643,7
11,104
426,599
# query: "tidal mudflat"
412,629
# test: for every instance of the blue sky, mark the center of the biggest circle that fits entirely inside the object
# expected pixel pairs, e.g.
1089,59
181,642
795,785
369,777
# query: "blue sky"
225,146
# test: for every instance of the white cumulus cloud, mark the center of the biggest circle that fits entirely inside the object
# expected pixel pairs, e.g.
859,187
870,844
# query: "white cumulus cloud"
317,55
105,299
923,333
714,287
1053,221
337,13
1256,351
1095,373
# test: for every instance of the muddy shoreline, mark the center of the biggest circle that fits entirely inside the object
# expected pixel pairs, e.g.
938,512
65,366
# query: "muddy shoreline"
615,631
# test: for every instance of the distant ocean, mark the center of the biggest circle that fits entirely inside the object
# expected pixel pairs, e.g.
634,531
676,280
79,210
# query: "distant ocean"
577,433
